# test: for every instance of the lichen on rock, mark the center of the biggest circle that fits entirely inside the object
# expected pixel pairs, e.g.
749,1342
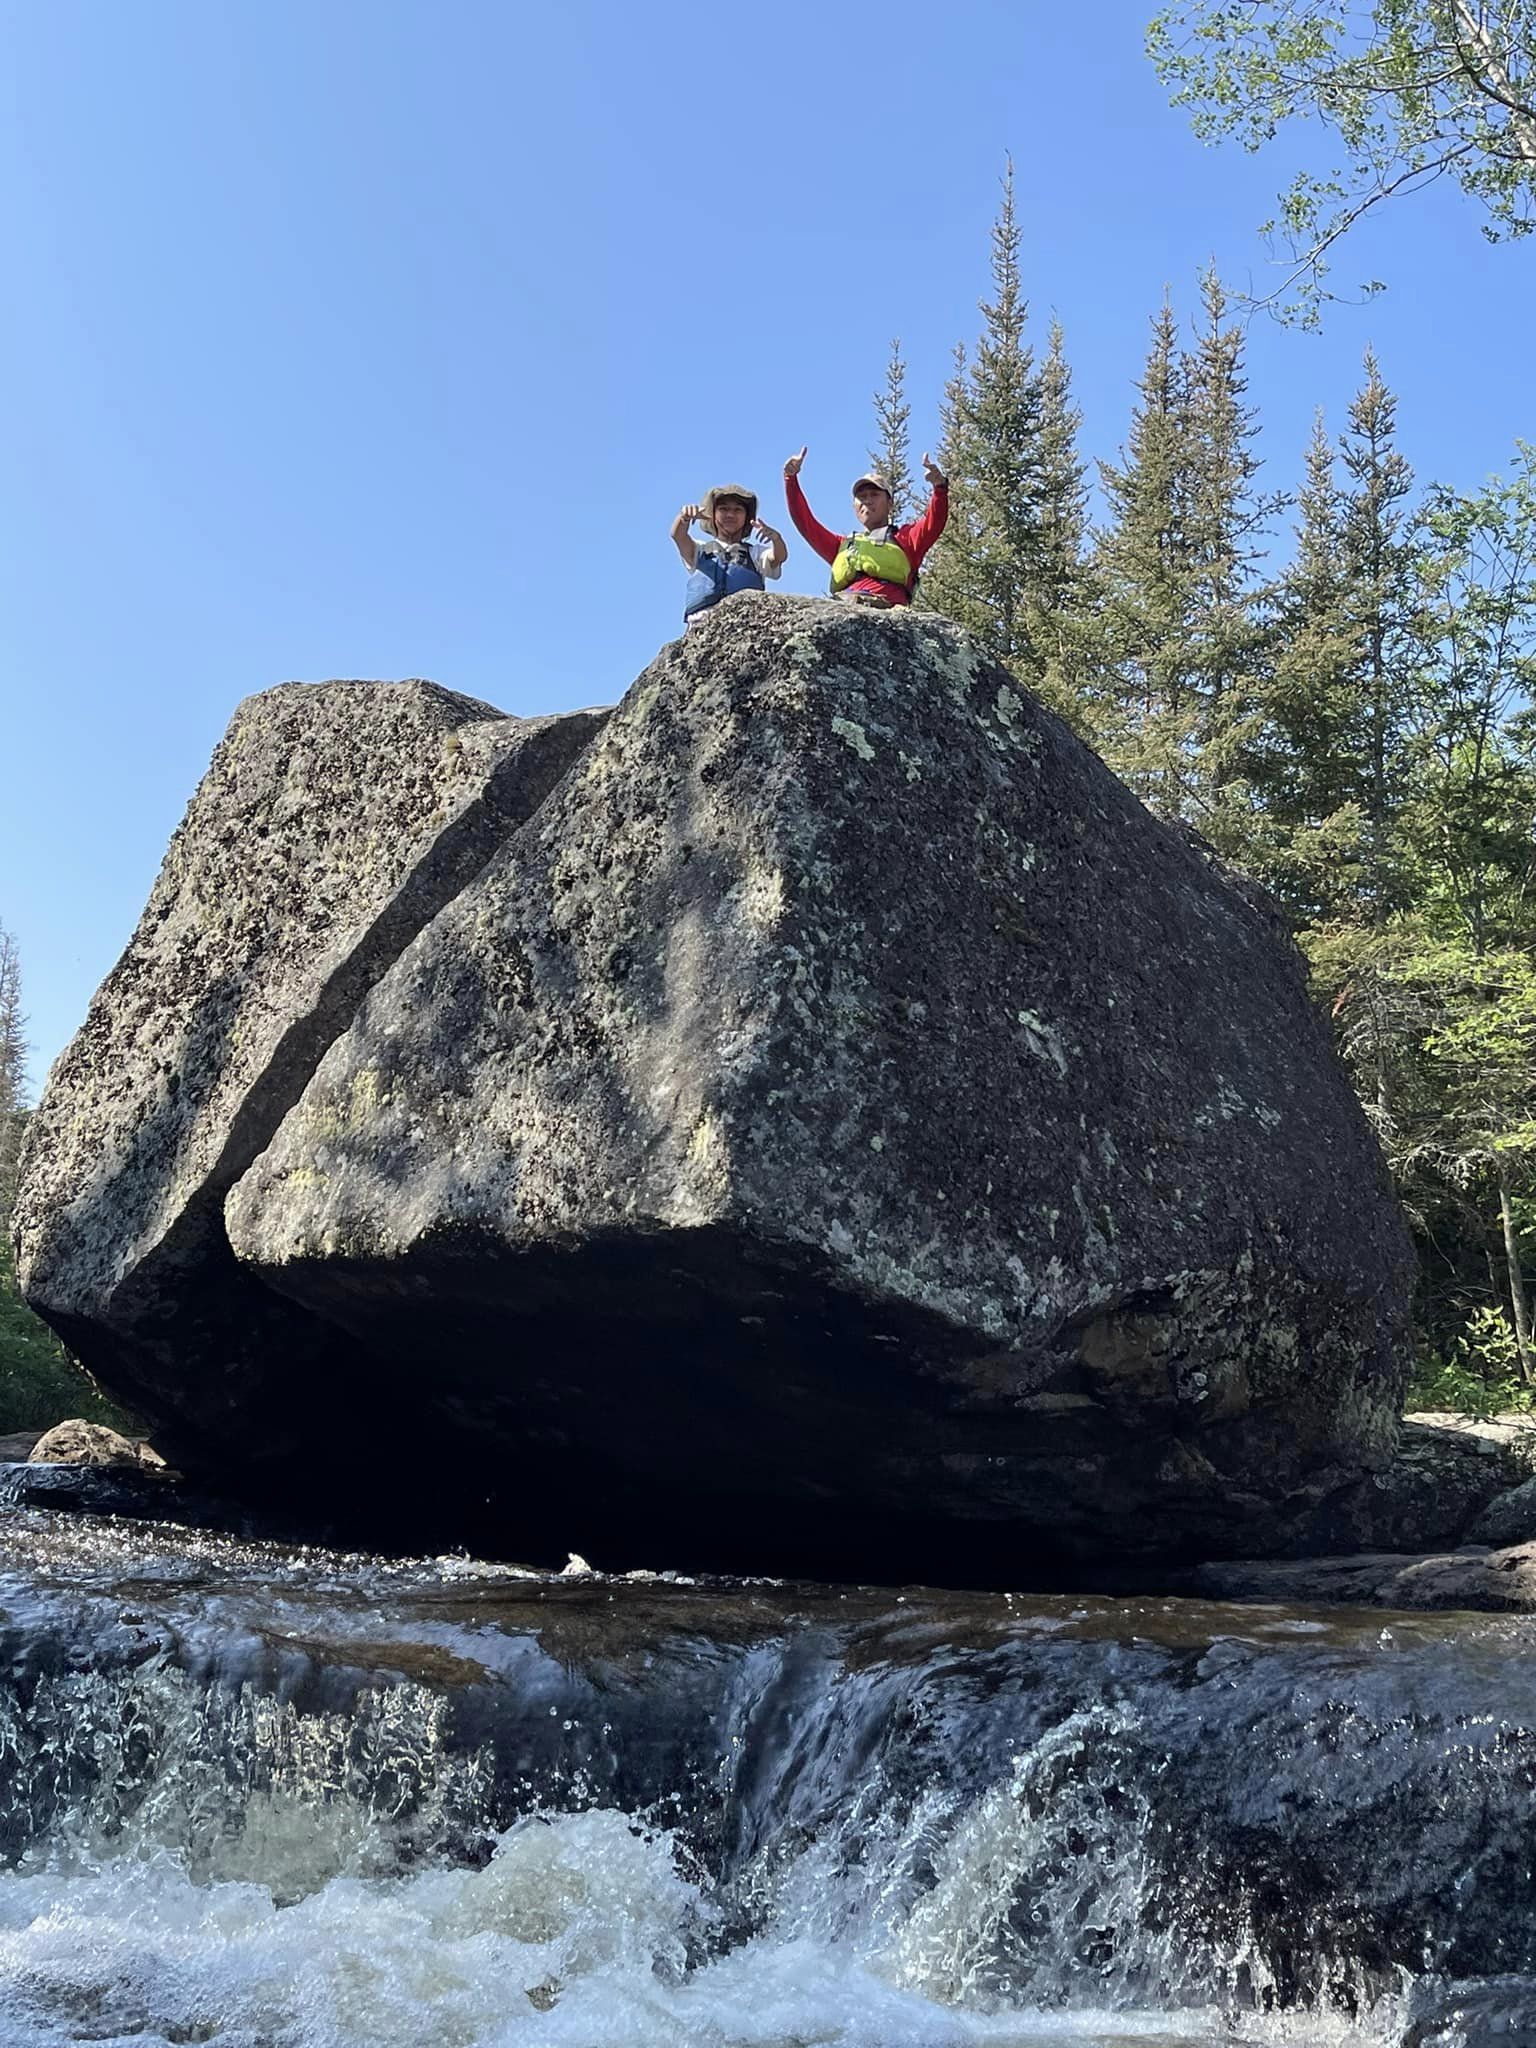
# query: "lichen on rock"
334,821
950,1150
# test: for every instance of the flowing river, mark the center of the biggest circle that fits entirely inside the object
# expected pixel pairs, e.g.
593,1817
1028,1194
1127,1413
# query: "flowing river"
268,1797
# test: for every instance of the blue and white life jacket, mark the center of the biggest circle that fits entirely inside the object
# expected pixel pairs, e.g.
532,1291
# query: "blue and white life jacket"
720,570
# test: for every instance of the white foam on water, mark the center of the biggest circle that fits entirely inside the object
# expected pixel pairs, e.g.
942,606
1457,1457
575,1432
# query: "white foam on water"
203,1861
582,1931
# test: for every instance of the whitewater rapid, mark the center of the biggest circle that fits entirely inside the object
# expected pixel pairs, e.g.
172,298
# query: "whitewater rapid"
580,1931
266,1798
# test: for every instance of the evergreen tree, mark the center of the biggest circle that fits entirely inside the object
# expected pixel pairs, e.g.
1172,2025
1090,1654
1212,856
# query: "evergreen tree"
1467,829
1179,680
13,1072
1010,566
1060,623
950,583
1334,770
1464,1120
989,571
13,1027
1003,414
1304,779
1229,519
892,452
1383,609
1144,708
1357,950
1062,492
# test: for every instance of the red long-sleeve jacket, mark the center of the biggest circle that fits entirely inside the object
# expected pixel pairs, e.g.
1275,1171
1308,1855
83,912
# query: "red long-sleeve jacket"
914,539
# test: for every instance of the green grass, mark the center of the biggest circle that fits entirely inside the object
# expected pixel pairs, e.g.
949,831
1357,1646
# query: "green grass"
40,1384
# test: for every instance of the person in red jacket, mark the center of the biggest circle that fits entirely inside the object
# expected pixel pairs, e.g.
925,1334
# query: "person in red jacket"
879,564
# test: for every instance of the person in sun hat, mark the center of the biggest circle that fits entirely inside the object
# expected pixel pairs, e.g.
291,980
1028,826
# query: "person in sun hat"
877,565
739,550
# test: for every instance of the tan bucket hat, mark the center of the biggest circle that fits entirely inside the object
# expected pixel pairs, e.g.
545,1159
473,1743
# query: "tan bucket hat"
707,503
873,476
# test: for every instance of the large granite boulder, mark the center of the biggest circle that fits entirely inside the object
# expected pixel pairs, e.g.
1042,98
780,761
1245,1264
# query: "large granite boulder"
844,1129
335,820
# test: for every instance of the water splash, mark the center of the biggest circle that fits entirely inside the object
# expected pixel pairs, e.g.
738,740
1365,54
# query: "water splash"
724,1818
235,1785
208,1864
579,1931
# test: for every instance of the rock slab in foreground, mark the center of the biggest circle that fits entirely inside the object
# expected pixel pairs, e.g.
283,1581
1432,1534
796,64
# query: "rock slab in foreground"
843,1116
1472,1579
333,822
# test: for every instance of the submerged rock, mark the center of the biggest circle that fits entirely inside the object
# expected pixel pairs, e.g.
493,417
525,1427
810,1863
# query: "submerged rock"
844,1129
334,821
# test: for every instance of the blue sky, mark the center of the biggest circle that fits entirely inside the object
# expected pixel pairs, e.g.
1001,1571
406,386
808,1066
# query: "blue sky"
384,339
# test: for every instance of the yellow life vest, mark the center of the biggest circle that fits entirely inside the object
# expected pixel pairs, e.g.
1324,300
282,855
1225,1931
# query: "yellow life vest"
860,555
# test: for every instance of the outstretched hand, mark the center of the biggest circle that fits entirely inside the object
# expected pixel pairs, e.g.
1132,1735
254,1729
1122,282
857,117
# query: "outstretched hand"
792,464
933,476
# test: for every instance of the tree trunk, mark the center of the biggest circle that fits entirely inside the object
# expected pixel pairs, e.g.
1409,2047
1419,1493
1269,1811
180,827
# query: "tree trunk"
1517,1294
1495,1277
1490,74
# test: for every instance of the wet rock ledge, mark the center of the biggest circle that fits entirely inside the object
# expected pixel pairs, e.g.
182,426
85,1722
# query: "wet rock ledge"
813,1118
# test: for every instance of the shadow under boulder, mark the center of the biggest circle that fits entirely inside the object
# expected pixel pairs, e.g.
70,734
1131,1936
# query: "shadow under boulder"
333,822
843,1125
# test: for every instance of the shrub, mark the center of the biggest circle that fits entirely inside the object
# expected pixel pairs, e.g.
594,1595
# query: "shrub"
1479,1375
40,1384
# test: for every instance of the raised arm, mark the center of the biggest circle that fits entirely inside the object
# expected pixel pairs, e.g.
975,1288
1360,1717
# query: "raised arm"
682,539
807,525
778,551
923,531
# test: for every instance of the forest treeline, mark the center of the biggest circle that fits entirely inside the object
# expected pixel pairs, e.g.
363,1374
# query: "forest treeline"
1355,729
